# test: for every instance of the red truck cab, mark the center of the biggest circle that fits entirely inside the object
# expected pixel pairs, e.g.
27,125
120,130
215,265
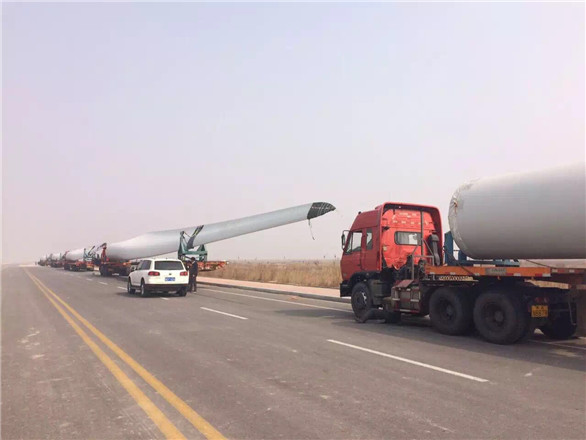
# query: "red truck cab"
389,237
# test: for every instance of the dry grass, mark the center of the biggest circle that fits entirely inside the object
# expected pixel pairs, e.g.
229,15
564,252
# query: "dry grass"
312,273
299,273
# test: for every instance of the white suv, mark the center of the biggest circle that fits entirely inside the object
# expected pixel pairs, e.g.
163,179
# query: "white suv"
159,275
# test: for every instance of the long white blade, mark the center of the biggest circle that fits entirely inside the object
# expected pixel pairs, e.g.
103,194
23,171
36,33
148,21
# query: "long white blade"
163,242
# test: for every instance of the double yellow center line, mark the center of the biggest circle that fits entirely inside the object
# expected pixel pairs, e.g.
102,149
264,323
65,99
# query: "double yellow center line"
167,427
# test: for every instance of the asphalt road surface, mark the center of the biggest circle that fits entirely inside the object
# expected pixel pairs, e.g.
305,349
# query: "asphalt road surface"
83,359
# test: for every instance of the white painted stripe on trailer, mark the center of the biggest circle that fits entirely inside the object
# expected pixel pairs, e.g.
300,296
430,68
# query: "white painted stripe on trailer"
409,361
223,313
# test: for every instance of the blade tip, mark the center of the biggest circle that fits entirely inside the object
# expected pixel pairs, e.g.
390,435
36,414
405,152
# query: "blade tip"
319,208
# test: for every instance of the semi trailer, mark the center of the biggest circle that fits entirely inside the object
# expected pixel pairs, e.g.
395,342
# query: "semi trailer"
109,266
397,260
55,260
78,260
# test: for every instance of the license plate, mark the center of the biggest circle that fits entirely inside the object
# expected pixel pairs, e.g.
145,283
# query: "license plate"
169,278
539,311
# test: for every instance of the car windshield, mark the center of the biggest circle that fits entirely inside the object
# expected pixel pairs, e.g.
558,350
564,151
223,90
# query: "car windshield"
169,265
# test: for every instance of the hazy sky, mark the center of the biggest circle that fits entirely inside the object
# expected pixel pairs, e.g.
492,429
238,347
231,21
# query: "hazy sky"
120,119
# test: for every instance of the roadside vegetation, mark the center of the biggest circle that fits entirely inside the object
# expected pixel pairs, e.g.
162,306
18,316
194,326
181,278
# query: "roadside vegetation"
319,273
313,273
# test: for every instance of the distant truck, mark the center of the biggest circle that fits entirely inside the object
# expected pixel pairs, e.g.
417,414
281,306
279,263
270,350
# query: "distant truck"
395,258
108,266
78,260
55,260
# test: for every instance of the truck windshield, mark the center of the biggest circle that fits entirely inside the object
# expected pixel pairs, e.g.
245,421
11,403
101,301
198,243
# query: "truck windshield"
403,237
169,265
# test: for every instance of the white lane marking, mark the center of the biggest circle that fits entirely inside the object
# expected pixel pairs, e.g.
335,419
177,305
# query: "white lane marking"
278,300
88,279
105,284
409,361
121,288
223,313
166,299
557,344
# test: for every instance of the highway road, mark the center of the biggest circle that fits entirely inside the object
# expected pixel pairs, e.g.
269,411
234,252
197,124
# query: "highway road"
83,359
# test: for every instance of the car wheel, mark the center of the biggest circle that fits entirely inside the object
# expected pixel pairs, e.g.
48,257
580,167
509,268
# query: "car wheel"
143,291
182,291
129,287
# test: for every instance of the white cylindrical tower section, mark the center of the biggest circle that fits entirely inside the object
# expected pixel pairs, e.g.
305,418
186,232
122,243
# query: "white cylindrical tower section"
539,215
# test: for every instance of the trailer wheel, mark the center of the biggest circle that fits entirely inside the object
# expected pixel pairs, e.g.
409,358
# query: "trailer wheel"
559,328
500,318
129,288
450,311
362,303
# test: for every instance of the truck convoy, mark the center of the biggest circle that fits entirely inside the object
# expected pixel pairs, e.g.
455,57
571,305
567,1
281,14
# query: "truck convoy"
118,257
397,261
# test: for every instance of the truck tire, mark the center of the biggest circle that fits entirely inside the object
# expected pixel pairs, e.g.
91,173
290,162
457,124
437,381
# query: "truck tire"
500,318
559,328
131,290
450,311
362,303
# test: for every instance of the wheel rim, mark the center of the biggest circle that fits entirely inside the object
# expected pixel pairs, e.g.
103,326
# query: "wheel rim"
494,317
360,301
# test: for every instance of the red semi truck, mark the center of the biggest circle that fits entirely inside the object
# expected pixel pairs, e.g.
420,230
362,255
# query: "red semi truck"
395,258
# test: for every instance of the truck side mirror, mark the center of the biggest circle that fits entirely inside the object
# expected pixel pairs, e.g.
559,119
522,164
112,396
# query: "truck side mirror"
343,239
